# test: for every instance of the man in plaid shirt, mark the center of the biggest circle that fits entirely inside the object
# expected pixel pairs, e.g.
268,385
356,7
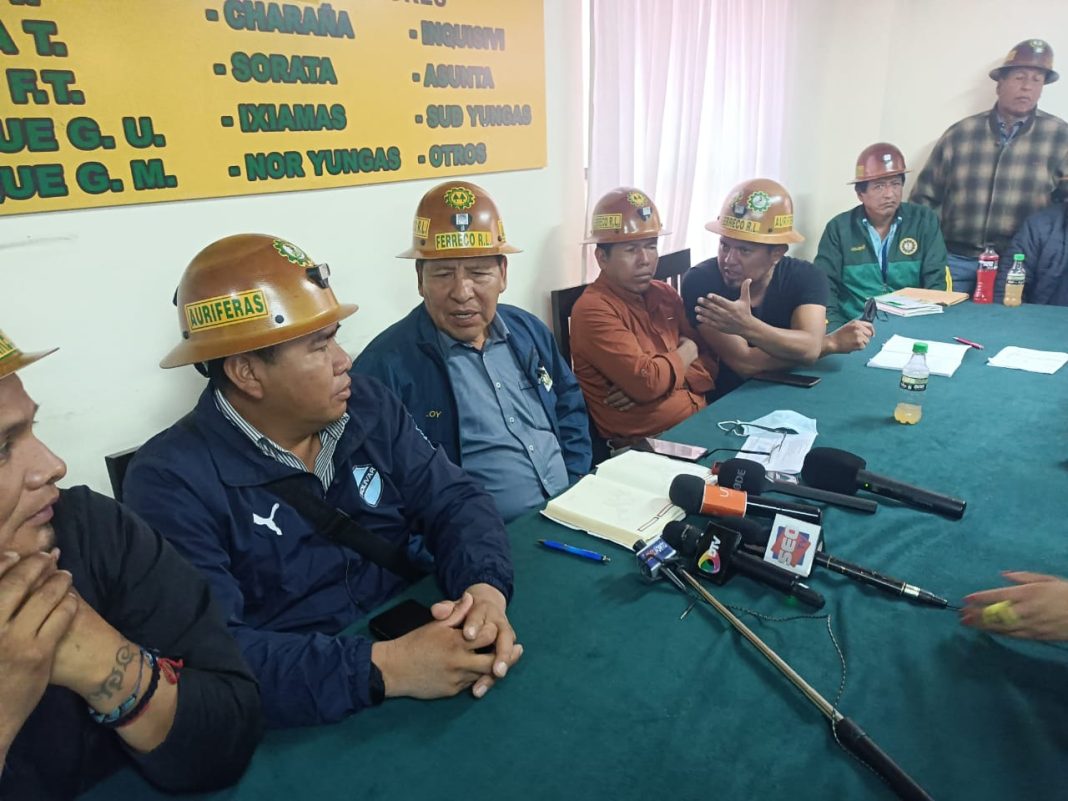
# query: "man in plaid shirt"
990,171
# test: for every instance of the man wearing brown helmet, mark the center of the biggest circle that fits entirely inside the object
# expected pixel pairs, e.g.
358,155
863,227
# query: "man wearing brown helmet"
484,380
111,651
881,245
635,354
988,172
756,307
297,490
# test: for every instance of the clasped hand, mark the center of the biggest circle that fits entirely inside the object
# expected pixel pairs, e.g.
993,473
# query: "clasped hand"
443,658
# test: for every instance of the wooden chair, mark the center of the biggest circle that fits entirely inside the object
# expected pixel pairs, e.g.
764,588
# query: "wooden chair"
117,464
563,301
672,266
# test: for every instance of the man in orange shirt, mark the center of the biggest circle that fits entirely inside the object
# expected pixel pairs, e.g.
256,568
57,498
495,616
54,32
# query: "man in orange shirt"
636,356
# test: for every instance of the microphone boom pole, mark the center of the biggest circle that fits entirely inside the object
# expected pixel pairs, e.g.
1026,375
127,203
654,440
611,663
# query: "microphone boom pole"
848,733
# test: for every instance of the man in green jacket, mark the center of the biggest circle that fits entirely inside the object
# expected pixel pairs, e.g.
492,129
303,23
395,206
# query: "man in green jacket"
881,245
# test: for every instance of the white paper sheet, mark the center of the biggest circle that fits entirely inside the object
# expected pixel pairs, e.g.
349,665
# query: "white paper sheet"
1034,361
786,454
943,358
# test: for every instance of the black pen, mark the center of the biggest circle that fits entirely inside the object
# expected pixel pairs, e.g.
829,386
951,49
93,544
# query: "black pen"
871,578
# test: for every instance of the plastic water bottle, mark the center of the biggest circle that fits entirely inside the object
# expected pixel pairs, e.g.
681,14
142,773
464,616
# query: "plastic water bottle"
1014,281
913,386
984,276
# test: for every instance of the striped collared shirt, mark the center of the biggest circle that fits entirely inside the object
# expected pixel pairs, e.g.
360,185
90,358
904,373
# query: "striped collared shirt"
328,439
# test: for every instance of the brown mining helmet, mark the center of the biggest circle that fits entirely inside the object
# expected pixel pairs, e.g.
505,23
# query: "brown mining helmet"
13,359
457,220
250,291
623,215
1028,53
881,160
758,210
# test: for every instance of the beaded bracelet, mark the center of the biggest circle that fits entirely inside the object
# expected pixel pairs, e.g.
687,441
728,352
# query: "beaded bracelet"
161,666
110,718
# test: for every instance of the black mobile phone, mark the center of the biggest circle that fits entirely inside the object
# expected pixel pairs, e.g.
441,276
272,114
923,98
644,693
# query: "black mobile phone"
676,450
399,620
790,379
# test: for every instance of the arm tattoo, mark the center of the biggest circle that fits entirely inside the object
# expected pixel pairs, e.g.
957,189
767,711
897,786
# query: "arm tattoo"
123,657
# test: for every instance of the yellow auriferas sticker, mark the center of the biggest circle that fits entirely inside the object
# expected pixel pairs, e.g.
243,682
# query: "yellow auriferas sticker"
783,221
226,310
463,239
607,222
734,224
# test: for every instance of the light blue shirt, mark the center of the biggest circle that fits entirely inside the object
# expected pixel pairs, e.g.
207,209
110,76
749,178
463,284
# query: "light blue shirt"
506,440
881,245
328,439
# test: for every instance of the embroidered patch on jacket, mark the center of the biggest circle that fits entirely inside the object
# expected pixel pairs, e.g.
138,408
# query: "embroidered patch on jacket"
369,483
908,246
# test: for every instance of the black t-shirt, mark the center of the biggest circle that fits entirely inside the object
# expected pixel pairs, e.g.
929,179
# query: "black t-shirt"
794,283
140,585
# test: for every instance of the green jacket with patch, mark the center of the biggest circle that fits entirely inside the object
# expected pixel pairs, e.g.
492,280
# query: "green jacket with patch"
915,257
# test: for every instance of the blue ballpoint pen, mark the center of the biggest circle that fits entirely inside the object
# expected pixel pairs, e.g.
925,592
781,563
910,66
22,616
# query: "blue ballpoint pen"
593,556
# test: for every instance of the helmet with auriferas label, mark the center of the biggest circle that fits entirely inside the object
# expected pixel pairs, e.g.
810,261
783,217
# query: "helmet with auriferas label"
250,291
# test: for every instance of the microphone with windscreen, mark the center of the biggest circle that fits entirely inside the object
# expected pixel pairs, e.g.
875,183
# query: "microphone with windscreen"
698,498
841,471
717,554
747,475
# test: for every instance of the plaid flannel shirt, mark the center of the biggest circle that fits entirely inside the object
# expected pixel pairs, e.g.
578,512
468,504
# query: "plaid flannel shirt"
983,190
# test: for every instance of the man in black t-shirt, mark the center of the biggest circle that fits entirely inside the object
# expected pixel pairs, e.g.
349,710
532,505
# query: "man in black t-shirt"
101,624
754,306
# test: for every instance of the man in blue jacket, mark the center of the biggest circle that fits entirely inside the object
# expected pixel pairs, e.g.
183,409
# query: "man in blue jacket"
1043,239
261,484
521,427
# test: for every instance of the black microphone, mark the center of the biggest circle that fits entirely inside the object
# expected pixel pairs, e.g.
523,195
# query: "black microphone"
698,498
750,476
755,540
841,471
717,555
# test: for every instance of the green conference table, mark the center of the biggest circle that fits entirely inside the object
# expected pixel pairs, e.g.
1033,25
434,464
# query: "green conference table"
618,698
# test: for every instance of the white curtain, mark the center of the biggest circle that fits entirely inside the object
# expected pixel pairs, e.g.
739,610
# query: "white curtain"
686,100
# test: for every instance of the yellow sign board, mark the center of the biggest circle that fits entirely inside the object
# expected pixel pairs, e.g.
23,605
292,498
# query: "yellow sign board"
114,102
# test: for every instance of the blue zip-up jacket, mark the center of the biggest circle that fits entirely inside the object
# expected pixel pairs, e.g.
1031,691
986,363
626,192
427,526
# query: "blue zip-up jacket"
408,358
285,591
1043,239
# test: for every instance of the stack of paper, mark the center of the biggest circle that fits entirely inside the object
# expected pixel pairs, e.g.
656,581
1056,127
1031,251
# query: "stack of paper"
626,500
905,307
1034,361
943,358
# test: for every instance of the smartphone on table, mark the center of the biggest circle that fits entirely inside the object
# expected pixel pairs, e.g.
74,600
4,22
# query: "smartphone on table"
400,619
790,379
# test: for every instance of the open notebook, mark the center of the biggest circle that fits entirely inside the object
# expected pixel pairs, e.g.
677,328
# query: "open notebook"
626,499
943,358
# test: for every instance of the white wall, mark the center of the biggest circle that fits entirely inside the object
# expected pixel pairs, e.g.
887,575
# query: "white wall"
98,283
899,71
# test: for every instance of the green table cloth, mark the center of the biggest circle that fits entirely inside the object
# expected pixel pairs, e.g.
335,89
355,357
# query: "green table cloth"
618,698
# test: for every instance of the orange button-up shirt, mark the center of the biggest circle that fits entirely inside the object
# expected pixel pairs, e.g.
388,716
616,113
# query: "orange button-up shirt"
619,339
